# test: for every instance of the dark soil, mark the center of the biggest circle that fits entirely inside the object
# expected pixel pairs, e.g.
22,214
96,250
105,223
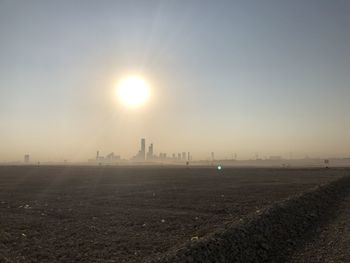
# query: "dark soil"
269,236
332,243
116,214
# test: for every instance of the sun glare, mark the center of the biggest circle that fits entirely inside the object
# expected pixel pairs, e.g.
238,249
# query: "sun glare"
133,91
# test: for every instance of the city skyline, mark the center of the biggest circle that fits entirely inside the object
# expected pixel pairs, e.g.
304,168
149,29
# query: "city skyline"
152,156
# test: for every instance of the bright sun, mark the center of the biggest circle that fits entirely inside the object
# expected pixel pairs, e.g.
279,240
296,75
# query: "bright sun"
133,91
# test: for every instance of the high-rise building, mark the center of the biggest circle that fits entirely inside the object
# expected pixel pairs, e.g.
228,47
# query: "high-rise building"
212,156
143,149
26,158
97,155
150,152
141,154
184,156
179,156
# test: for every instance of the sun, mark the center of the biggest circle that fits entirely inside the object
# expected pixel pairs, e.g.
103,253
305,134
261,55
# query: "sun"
133,91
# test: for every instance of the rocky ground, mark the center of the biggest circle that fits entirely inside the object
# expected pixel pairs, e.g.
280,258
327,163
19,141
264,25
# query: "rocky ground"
125,214
331,242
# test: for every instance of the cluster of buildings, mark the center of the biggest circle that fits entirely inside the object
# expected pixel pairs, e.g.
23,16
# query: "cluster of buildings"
143,156
108,158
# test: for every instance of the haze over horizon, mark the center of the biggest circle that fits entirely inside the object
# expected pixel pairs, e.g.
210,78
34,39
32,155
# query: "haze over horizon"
225,76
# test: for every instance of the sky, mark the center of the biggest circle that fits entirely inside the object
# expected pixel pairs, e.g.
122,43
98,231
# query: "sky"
244,77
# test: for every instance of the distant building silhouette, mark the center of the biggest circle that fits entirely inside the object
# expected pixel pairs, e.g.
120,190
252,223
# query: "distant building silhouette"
184,156
141,155
150,152
107,159
162,156
143,149
112,157
26,158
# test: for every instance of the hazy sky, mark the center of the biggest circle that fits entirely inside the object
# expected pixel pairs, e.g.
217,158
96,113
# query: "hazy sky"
271,77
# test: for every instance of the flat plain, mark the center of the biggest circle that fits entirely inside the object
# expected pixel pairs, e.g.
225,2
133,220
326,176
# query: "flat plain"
129,214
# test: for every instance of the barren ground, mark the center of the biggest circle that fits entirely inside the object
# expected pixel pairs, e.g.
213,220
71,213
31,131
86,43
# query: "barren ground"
332,242
126,214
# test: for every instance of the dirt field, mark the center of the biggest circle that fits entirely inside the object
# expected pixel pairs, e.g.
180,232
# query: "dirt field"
116,214
332,242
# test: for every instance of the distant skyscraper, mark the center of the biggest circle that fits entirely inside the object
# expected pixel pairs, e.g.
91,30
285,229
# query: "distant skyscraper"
179,156
97,155
26,158
212,156
184,156
150,152
143,149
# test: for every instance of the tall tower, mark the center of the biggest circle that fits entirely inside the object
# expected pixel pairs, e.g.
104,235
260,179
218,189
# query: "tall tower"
143,149
97,155
150,152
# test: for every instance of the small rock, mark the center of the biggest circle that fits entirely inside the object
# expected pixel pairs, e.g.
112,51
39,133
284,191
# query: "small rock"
194,238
